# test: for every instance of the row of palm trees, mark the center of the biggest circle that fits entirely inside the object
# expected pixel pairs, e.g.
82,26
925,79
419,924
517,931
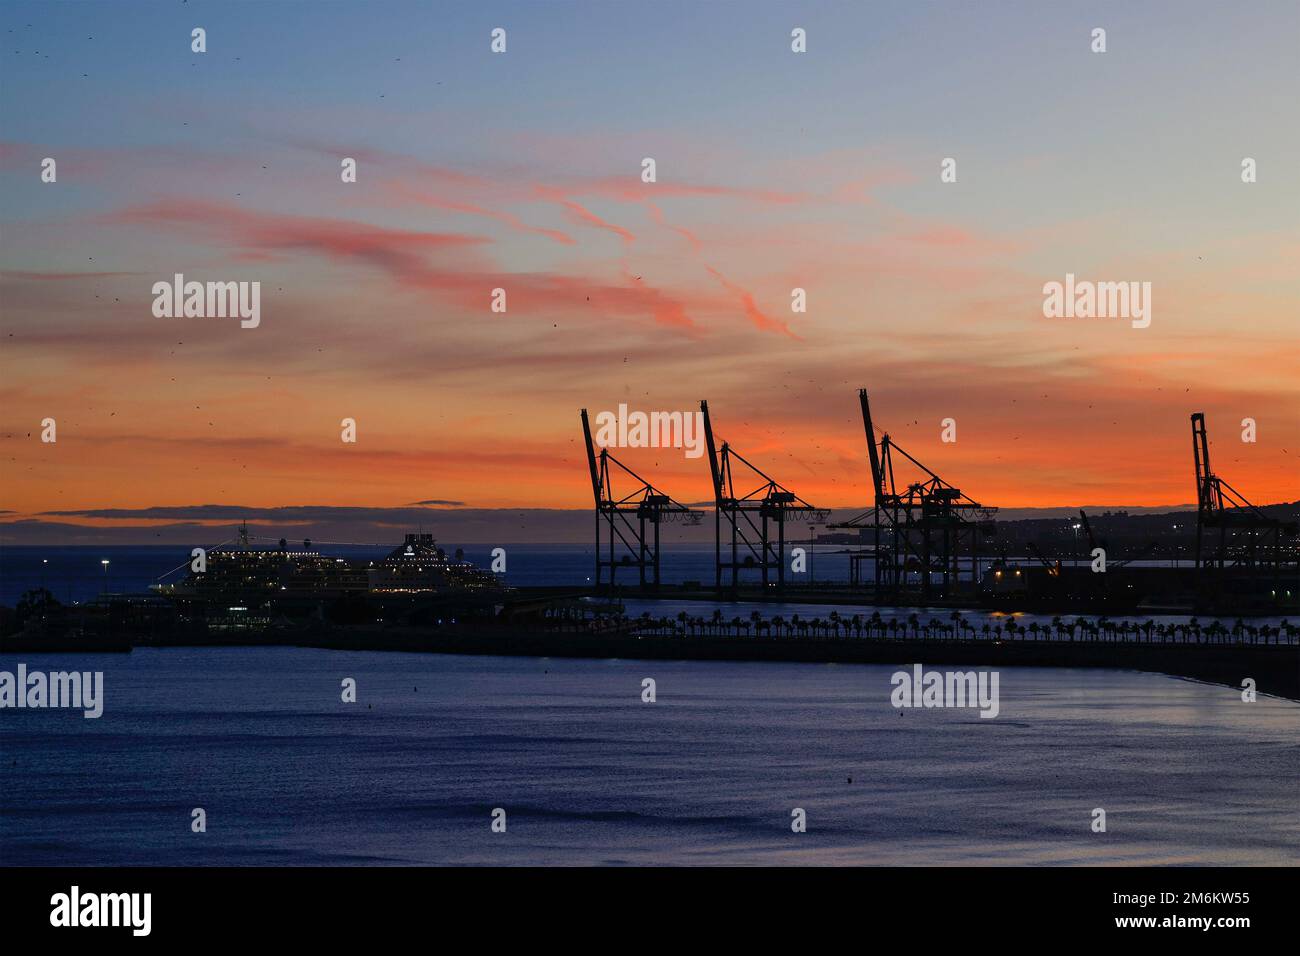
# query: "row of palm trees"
957,627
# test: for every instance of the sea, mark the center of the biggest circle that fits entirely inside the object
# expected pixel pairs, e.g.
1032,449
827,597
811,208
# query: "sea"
576,766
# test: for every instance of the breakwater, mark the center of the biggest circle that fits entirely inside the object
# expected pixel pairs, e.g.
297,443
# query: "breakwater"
1216,653
1275,668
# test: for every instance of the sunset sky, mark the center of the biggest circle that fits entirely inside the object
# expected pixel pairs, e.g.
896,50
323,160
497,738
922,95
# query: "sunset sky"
521,170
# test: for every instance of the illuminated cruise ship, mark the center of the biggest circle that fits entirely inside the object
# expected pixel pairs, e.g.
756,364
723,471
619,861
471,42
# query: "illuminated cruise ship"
280,581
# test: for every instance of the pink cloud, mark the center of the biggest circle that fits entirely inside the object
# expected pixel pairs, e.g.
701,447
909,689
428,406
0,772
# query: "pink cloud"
756,316
474,209
405,255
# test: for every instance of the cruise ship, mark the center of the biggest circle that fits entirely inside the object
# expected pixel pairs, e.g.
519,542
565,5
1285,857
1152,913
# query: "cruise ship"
415,581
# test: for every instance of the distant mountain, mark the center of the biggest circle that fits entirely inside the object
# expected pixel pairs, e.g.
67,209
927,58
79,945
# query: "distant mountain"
192,525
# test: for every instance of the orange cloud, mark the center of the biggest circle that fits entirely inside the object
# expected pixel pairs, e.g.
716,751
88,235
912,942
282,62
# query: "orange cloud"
758,318
405,256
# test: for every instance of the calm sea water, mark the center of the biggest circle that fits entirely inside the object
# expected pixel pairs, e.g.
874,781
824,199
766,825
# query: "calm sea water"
587,773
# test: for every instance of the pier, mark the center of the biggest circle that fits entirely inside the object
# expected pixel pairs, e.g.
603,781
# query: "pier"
924,542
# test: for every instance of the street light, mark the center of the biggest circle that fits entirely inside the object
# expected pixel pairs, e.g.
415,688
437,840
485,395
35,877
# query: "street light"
812,552
104,562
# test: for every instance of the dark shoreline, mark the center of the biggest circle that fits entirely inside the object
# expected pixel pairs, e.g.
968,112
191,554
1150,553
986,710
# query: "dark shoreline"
838,594
1274,668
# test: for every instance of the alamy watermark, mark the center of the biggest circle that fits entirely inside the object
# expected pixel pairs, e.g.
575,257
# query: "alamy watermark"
921,688
1085,299
214,300
75,908
73,689
637,429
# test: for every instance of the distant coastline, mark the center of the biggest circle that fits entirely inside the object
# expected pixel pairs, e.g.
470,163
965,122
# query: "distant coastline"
204,524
